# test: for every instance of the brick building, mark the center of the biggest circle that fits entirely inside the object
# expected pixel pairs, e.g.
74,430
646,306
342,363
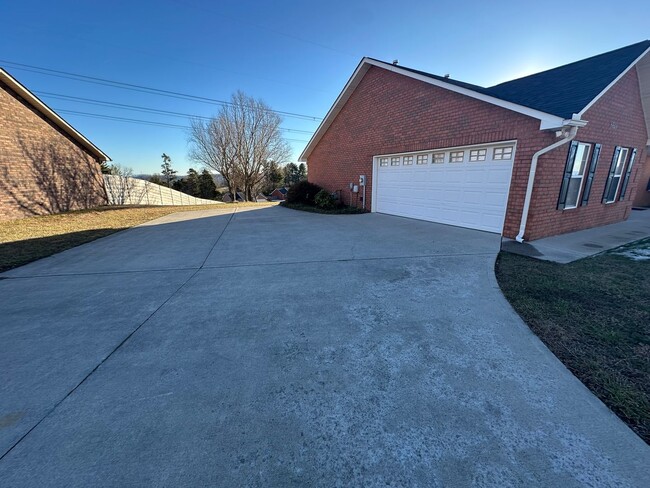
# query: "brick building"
46,166
546,154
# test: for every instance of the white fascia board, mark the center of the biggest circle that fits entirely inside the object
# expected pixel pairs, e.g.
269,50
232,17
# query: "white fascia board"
547,121
51,115
607,88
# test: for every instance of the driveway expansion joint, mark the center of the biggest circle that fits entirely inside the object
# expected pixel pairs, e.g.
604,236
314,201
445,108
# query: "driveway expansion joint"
116,348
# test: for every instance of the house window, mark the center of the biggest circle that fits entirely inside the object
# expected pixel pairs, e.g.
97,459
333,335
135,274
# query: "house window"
408,160
438,158
456,156
422,159
383,161
616,174
394,161
477,154
501,153
579,165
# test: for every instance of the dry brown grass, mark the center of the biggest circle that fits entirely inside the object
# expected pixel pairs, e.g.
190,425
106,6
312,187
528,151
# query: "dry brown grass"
28,239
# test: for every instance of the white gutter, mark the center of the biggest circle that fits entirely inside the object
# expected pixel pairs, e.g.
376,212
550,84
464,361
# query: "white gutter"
533,169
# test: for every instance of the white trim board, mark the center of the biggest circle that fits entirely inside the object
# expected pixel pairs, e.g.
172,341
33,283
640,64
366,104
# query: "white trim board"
51,115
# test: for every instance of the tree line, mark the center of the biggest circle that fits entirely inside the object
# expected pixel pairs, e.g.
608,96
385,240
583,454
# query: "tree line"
243,143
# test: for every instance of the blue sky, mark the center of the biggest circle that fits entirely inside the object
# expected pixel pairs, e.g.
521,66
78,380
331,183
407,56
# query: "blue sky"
295,55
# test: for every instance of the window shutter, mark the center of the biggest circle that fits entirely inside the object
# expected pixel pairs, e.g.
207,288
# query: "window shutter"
612,168
627,174
568,168
590,176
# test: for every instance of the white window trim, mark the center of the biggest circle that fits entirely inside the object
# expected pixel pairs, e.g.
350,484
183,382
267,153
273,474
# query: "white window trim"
581,177
625,150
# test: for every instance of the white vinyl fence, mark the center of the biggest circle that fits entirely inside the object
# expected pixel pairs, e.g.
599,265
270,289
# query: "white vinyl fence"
124,190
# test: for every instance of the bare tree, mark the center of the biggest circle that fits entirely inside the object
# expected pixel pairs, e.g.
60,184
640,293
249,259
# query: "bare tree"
239,142
122,188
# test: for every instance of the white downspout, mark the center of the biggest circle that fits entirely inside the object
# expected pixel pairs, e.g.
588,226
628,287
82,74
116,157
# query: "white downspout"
531,179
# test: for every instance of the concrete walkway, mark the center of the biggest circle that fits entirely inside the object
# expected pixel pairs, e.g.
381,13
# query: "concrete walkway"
272,347
566,248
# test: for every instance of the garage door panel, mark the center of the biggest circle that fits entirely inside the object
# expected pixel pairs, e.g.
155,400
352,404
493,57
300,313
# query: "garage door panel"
469,194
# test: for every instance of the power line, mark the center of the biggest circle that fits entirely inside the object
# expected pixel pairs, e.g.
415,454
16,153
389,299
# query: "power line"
138,121
138,88
136,108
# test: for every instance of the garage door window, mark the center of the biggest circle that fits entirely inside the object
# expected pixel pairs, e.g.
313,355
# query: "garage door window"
501,153
408,160
477,154
456,156
383,161
423,159
438,158
394,161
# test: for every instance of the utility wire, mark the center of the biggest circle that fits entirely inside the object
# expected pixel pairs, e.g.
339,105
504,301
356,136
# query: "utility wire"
138,88
138,121
137,108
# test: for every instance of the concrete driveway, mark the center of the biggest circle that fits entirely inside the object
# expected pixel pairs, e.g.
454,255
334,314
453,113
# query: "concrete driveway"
270,347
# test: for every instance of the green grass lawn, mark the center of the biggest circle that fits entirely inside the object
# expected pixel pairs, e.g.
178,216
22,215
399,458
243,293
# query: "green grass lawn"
25,240
594,314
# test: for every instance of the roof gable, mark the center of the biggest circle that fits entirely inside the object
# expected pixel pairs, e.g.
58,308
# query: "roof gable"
568,89
51,115
557,97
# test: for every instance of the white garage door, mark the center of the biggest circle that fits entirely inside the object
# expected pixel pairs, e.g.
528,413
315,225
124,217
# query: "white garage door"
466,186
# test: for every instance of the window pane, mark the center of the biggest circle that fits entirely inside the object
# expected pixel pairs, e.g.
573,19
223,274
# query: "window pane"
573,192
439,157
477,154
456,157
501,153
423,159
580,162
394,161
613,190
620,163
408,160
383,161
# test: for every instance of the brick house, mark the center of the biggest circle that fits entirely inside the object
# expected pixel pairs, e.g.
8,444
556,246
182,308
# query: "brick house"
546,154
279,194
46,165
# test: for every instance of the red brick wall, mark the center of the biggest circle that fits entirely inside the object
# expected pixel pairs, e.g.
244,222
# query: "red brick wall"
391,113
614,120
41,169
642,197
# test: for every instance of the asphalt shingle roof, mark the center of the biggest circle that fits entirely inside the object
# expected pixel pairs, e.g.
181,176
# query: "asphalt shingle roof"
560,91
